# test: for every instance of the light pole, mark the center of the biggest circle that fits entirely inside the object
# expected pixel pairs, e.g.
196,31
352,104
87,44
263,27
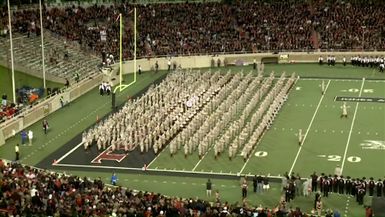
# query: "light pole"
11,50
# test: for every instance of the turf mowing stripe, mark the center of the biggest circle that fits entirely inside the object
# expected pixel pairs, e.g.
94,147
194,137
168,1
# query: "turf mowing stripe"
308,129
351,127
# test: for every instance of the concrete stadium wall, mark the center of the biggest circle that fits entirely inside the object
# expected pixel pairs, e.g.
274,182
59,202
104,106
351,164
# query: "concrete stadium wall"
48,106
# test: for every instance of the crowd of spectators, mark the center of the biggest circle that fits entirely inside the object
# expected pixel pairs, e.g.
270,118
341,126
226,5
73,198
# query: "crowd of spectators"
7,110
344,25
201,28
27,191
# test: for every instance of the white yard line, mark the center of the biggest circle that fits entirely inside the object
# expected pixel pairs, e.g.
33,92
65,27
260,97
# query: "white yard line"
200,160
347,79
254,149
308,129
156,157
68,153
351,127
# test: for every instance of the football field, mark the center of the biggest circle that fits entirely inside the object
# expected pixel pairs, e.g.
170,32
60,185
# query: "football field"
355,143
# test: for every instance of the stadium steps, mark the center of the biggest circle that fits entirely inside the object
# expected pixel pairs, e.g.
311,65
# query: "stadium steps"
27,52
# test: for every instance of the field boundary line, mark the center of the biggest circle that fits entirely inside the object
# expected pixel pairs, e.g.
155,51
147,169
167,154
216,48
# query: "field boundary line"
351,127
156,170
308,129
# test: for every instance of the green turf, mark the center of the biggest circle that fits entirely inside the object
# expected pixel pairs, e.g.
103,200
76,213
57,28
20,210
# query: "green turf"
71,120
21,79
279,142
324,145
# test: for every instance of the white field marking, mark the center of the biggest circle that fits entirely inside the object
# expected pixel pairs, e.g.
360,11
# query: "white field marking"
200,160
351,128
156,157
73,125
68,153
163,170
253,151
308,129
343,80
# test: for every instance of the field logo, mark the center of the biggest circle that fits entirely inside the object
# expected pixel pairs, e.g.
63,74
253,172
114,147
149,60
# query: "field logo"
373,144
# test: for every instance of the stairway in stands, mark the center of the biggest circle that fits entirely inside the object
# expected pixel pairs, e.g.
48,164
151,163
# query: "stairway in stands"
27,53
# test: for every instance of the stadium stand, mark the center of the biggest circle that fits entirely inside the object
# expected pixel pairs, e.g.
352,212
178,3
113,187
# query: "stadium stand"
237,27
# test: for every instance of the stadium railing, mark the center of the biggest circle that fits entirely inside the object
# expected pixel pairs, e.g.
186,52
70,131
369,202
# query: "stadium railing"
29,115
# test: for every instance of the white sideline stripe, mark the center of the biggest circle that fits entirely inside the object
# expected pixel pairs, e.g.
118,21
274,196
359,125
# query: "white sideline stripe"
308,129
351,127
156,170
335,79
68,153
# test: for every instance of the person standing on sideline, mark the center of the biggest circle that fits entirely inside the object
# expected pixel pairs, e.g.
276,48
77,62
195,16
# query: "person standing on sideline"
259,184
45,126
23,137
266,185
17,152
30,137
254,64
208,188
156,67
244,188
169,65
255,183
140,70
114,179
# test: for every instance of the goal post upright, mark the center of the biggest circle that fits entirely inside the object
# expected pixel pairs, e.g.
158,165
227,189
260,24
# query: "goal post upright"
122,86
120,51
